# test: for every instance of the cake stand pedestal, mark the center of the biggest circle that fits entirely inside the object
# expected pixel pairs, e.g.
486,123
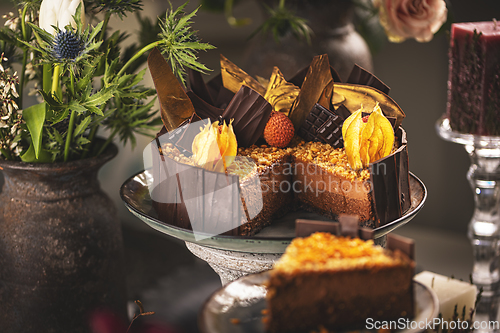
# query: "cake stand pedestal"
231,265
484,227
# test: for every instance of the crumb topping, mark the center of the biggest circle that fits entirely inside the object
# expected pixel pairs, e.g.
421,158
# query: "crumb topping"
326,252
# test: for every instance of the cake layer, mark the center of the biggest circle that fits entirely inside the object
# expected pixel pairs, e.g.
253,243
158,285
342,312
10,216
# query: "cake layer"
337,283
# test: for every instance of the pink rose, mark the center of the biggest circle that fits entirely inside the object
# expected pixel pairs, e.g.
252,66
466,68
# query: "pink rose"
418,19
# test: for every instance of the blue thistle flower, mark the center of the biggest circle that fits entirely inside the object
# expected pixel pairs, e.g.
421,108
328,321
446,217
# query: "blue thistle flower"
67,45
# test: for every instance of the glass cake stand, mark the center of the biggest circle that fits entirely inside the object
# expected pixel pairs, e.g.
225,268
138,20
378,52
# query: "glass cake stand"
484,227
235,256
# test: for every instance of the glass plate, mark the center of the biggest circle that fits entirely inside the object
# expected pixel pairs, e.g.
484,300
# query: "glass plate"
272,239
245,298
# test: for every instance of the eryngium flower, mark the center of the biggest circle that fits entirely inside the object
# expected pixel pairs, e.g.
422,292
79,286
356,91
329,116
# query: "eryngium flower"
67,45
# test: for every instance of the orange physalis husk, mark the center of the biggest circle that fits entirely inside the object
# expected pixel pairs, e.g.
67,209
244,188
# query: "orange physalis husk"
367,139
215,147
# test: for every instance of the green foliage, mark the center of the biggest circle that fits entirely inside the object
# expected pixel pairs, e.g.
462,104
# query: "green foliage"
282,21
180,44
88,80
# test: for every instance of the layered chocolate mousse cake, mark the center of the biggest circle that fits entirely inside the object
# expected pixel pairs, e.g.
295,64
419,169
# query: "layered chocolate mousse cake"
311,143
337,282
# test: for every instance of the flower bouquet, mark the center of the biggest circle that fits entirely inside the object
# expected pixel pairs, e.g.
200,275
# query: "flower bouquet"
86,83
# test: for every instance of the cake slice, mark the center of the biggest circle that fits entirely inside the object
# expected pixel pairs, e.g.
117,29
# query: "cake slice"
338,282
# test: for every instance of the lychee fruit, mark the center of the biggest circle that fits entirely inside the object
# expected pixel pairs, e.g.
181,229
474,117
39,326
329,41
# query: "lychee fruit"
279,130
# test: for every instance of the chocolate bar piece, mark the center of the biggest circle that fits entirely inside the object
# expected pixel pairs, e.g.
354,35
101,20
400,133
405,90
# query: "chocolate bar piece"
403,244
323,125
348,225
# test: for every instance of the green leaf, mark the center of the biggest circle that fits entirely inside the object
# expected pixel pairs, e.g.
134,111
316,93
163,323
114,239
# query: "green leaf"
30,157
35,118
76,106
82,126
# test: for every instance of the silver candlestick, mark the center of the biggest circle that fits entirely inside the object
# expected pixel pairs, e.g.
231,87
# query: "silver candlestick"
484,227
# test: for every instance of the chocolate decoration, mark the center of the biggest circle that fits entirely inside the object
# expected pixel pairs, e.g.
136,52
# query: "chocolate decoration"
250,112
299,77
349,225
174,104
193,198
203,109
220,95
359,75
186,138
317,78
389,177
305,228
322,125
234,77
403,244
326,96
198,86
343,112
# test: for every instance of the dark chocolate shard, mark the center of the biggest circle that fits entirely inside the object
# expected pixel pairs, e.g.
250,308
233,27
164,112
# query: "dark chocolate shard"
359,75
317,78
250,112
305,228
349,225
299,77
322,125
174,104
203,109
403,244
389,177
198,86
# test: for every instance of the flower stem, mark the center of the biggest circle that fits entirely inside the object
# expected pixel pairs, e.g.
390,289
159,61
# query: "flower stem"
25,57
55,79
137,55
71,125
47,78
91,137
104,25
69,136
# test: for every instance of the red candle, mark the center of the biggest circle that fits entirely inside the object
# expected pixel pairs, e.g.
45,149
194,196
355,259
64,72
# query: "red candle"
474,78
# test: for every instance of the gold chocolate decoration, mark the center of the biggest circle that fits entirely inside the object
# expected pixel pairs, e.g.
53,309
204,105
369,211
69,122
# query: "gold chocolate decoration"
317,79
357,96
280,93
234,77
175,106
367,139
215,147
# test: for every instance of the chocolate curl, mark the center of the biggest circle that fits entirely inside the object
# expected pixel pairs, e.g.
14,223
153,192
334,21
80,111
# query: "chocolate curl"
174,104
403,244
390,181
198,86
359,75
203,109
317,78
305,228
250,112
220,95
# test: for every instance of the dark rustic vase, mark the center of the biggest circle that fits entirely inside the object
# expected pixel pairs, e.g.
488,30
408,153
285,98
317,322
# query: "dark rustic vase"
334,34
61,247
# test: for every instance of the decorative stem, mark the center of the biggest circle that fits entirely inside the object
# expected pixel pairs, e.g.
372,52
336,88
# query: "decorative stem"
104,25
91,137
69,136
55,79
25,57
137,55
